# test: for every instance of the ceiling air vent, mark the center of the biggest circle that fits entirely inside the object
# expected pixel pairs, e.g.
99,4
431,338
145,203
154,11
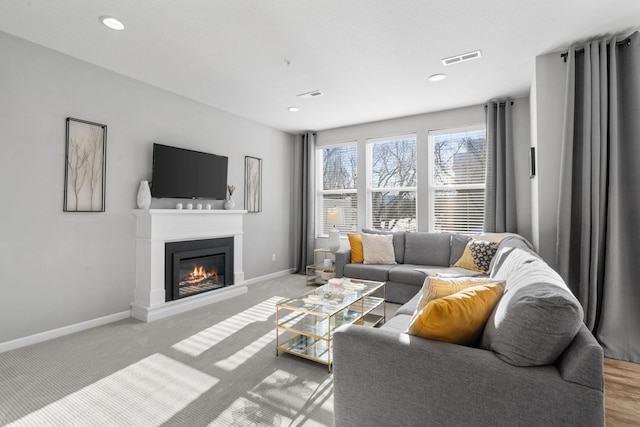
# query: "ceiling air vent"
312,94
462,58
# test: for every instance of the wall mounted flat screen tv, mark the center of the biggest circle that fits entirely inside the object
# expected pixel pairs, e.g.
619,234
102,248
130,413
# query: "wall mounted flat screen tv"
188,174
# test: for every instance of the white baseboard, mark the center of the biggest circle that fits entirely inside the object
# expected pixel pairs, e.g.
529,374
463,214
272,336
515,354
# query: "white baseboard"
65,330
149,314
142,313
269,276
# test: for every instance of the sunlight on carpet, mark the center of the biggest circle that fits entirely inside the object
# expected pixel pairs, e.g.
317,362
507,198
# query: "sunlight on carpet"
241,356
148,392
206,339
280,399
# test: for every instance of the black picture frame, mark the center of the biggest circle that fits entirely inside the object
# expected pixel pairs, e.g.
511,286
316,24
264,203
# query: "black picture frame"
85,161
252,184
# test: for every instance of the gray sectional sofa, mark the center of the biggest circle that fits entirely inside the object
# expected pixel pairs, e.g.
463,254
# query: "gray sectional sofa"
536,363
417,255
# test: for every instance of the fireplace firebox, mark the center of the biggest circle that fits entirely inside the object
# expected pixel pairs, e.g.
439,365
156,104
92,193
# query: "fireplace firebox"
196,266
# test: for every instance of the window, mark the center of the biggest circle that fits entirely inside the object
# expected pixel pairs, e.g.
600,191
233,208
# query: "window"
337,167
457,179
392,183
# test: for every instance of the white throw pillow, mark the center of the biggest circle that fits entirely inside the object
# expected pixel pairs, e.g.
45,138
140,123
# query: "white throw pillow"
378,249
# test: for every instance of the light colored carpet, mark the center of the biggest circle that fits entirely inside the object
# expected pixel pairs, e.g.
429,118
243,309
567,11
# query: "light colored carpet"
213,366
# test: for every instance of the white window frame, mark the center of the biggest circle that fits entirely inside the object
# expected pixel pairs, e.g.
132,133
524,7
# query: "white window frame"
432,188
369,175
320,192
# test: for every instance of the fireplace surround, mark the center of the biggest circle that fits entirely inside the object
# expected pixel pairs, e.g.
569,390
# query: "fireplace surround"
155,228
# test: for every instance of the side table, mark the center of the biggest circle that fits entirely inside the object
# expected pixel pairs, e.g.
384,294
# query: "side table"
319,273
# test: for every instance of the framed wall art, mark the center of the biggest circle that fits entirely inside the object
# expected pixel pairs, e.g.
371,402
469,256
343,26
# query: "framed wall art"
85,164
253,184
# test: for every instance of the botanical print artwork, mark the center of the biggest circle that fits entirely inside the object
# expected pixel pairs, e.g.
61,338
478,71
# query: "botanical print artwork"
253,184
85,164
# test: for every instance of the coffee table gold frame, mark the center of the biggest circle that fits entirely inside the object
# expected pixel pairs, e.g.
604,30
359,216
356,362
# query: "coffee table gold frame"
305,324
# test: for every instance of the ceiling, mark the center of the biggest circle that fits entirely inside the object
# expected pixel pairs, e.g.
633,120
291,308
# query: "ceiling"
370,58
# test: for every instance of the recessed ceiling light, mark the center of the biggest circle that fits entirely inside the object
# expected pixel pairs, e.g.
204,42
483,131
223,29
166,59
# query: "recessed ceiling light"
111,22
294,109
437,77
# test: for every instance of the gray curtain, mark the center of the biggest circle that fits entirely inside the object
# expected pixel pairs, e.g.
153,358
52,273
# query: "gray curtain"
598,208
304,201
500,194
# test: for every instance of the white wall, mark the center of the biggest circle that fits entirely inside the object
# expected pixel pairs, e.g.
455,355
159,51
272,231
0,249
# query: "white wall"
59,269
421,125
547,115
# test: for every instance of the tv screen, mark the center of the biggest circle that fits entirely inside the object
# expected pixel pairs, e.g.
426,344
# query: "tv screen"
188,174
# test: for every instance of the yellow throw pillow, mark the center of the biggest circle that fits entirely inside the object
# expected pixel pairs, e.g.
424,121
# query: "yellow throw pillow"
357,253
477,255
457,318
439,287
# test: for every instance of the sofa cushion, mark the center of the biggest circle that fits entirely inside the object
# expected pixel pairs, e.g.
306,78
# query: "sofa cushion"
407,273
355,243
458,245
478,255
398,241
537,317
409,307
398,323
423,248
377,272
378,249
457,318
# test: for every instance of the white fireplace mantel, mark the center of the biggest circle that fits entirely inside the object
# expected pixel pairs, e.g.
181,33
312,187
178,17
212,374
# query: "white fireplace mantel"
154,228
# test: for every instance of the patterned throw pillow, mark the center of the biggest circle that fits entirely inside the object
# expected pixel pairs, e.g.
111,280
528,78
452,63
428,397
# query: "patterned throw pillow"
478,255
440,287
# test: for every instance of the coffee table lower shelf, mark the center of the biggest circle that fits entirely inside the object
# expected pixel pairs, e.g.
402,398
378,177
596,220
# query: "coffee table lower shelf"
316,348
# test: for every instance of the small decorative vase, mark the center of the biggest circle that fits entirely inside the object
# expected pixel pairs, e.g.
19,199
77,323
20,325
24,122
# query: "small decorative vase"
144,195
229,204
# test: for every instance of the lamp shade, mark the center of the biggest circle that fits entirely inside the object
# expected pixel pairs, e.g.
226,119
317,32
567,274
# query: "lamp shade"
335,216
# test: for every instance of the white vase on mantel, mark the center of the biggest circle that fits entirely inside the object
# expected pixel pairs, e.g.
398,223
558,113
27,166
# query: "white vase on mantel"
144,195
229,204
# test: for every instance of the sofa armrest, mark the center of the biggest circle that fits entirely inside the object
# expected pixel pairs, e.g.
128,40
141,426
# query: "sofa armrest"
343,257
582,361
382,378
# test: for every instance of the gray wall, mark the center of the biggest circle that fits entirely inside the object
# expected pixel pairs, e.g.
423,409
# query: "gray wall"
421,125
59,269
547,115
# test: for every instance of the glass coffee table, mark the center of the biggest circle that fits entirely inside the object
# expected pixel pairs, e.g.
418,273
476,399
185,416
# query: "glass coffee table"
305,324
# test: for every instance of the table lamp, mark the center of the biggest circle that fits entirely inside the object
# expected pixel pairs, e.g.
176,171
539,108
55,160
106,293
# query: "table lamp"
335,216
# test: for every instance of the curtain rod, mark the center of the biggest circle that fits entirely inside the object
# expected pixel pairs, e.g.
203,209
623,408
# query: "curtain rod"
626,41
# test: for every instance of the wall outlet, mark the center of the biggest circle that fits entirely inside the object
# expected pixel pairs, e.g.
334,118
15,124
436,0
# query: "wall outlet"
273,257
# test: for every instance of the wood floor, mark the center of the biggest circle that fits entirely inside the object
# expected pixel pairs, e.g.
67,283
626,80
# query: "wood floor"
621,393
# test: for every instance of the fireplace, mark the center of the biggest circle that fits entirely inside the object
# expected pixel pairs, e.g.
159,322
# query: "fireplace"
157,227
193,267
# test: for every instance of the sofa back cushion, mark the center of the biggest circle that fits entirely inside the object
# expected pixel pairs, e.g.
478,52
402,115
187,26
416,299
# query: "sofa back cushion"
458,245
398,242
537,317
422,248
